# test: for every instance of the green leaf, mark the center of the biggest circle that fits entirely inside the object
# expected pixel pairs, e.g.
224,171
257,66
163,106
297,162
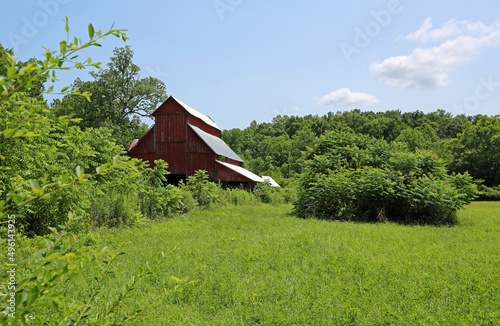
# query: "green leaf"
63,45
63,179
34,184
91,31
79,172
31,134
7,133
17,199
11,72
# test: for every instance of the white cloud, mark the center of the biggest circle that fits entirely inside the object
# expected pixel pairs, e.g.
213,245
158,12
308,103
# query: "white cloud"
427,33
430,67
344,97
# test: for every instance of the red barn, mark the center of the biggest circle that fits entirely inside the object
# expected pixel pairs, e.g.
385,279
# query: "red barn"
189,141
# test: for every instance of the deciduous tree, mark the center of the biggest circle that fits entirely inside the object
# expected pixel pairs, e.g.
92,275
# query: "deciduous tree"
119,97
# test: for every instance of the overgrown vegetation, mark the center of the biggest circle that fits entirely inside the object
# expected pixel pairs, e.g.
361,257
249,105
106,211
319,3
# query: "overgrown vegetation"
33,285
356,177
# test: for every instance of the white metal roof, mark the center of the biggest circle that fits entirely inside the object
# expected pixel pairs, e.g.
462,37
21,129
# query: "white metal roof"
216,144
271,181
244,172
203,117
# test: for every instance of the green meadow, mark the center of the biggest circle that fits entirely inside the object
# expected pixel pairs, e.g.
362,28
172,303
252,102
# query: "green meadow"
257,265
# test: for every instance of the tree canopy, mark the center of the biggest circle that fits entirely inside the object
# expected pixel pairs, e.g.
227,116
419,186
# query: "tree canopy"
464,143
119,97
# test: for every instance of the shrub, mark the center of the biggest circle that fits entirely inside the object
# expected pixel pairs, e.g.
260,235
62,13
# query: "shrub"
486,193
289,193
114,208
158,199
188,203
358,178
37,296
206,193
267,194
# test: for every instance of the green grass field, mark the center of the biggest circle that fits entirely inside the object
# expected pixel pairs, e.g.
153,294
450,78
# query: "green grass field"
257,265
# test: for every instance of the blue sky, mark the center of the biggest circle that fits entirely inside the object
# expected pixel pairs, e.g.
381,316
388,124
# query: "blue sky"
241,60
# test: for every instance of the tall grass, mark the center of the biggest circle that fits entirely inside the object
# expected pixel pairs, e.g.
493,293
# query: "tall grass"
257,265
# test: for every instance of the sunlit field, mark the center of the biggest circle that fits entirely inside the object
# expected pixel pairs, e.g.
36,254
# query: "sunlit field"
257,265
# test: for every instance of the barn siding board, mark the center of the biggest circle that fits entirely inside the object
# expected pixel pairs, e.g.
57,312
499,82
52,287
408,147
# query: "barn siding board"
201,161
225,174
231,161
171,127
175,155
196,144
146,144
203,126
176,127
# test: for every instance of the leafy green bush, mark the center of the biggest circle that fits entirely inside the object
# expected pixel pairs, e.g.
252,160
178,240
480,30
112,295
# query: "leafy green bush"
206,193
358,178
267,194
187,200
113,209
486,193
158,199
289,193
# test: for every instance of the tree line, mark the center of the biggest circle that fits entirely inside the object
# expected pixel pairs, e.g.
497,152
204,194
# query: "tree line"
464,143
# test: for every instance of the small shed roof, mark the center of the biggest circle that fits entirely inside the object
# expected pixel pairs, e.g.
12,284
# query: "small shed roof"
203,117
216,144
271,181
244,172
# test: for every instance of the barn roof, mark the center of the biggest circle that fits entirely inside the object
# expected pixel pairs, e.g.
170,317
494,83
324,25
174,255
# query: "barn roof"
199,115
216,144
244,172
